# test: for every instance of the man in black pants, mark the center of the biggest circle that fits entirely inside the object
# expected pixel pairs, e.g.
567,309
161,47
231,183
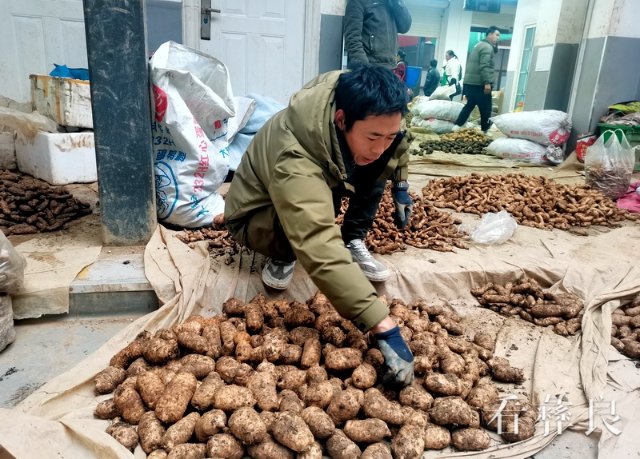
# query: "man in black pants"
479,78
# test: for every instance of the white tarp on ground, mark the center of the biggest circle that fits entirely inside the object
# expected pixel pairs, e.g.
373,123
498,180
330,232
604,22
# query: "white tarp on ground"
58,418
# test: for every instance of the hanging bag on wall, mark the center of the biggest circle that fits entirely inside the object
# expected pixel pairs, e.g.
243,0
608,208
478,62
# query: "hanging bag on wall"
608,164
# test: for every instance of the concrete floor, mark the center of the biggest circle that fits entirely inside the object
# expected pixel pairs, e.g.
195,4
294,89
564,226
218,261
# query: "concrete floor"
49,346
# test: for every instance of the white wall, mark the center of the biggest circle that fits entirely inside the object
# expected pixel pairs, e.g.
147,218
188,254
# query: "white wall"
335,7
572,18
504,20
547,23
526,15
624,19
456,25
599,26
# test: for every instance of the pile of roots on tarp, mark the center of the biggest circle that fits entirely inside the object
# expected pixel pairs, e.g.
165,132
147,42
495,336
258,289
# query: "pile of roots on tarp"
277,378
532,200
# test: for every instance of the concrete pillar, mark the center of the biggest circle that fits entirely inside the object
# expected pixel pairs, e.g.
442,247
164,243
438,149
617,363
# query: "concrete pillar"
454,34
559,30
119,71
609,62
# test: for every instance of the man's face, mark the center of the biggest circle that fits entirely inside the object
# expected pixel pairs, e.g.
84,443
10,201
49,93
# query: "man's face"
494,37
369,138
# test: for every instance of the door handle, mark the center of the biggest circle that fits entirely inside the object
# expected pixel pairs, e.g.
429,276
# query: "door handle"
205,19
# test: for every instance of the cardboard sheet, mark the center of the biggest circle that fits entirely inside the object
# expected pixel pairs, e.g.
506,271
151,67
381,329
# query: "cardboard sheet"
53,262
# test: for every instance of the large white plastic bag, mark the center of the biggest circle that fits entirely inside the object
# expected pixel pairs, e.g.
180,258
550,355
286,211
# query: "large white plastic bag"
434,125
193,102
546,127
12,265
416,104
609,164
519,149
494,228
443,92
265,108
441,109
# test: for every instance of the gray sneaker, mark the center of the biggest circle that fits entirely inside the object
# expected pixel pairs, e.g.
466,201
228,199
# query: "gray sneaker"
277,274
372,268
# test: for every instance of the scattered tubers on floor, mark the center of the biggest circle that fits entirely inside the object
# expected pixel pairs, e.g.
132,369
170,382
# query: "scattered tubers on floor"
625,329
524,298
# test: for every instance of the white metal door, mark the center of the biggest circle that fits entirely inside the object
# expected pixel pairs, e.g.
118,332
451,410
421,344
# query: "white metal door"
34,35
262,44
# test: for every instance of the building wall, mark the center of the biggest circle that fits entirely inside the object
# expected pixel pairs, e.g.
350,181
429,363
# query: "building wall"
526,15
456,24
559,28
611,62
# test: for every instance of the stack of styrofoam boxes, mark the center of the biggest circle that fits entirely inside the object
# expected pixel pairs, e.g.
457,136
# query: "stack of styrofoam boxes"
62,157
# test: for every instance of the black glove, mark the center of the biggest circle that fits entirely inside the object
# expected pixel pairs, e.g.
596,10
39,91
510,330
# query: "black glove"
403,202
398,358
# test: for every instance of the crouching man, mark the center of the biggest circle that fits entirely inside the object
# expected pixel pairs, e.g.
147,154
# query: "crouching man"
339,136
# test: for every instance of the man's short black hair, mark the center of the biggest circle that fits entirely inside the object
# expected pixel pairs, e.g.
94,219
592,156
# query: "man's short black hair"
370,90
492,29
433,63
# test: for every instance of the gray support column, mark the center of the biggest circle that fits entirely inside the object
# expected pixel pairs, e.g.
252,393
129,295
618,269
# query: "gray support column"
119,72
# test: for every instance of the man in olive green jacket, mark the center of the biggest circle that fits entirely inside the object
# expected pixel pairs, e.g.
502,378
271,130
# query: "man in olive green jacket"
371,30
339,136
479,79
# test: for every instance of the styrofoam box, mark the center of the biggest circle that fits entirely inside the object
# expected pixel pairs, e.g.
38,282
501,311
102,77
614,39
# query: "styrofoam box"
65,100
7,150
58,158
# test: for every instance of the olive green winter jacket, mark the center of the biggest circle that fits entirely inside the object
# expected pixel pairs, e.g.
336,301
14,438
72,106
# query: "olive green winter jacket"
293,163
480,65
371,30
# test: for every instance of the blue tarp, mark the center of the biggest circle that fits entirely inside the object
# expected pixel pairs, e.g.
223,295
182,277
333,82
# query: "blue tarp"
63,71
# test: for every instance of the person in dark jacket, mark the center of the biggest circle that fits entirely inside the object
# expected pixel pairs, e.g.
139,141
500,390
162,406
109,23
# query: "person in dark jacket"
339,136
479,79
433,78
371,30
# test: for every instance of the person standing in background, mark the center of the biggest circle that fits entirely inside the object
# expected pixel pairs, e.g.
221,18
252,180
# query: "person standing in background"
479,79
371,30
452,73
401,67
433,78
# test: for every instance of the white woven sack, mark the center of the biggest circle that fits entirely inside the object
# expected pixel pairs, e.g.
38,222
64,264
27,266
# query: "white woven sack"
546,127
520,149
441,109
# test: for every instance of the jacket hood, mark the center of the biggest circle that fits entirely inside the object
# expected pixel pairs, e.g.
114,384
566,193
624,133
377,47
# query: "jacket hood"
314,128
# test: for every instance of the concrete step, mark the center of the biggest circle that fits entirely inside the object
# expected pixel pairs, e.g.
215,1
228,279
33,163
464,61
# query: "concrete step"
114,284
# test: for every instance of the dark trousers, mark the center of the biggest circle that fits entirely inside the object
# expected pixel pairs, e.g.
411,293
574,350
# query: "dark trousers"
363,206
262,232
476,96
